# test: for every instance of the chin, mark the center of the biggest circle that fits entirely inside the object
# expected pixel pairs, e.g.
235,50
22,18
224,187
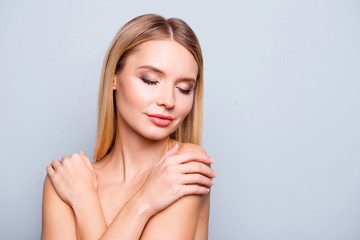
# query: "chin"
158,134
156,137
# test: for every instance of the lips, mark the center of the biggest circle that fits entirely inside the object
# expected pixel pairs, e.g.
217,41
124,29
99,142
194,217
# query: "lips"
160,120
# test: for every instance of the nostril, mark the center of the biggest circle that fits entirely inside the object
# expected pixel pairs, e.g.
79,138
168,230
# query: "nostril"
167,101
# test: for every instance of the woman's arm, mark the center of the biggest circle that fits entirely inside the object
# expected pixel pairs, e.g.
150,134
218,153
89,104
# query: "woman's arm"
86,220
72,210
77,192
185,219
58,220
203,221
177,222
131,219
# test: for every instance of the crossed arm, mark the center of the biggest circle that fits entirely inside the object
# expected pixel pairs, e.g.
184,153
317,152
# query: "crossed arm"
185,218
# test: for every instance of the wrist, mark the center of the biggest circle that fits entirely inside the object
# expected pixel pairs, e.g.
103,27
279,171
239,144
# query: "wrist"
142,207
84,200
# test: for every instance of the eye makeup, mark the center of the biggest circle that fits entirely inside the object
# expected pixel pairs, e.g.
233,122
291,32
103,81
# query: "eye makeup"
147,81
184,91
184,85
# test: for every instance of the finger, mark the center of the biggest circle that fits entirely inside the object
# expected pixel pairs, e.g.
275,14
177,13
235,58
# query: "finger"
196,178
65,157
87,160
195,167
173,151
194,189
191,156
50,170
76,156
55,164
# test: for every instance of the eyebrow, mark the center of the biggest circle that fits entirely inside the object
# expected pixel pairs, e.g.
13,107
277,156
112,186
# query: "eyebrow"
154,69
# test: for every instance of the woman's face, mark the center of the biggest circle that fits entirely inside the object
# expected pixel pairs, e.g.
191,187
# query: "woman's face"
155,89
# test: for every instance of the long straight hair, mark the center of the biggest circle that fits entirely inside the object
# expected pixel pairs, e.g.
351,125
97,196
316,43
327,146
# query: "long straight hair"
139,30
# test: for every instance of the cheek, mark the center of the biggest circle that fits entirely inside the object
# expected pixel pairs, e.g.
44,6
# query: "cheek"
134,94
186,106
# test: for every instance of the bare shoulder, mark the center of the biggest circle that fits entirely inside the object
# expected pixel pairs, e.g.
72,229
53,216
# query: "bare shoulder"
188,147
58,220
202,224
182,219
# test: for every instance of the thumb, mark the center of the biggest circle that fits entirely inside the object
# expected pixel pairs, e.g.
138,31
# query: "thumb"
87,160
173,151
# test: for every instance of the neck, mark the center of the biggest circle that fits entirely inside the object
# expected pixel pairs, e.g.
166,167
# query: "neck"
133,154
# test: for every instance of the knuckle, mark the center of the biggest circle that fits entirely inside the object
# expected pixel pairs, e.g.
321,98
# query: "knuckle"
168,160
197,154
169,169
180,192
175,178
175,190
196,189
198,166
201,190
193,154
55,178
66,162
60,169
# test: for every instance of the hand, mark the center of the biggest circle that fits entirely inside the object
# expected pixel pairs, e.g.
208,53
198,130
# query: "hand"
176,176
73,178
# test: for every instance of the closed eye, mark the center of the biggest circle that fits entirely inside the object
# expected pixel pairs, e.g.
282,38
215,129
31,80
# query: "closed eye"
184,91
147,81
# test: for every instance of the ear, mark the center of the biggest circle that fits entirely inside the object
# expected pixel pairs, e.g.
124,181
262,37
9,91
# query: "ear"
114,82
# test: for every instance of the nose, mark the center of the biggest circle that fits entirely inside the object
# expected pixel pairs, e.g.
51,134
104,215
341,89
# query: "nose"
166,98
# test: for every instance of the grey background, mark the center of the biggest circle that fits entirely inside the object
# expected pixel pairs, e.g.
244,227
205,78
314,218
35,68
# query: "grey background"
281,108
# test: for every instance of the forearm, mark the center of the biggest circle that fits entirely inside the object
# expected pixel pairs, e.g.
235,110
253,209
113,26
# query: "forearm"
127,225
90,220
130,221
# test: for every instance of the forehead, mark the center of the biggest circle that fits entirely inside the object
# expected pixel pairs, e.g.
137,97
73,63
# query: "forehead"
166,55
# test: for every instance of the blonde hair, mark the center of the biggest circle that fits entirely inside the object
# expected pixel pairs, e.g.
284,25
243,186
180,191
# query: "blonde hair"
139,30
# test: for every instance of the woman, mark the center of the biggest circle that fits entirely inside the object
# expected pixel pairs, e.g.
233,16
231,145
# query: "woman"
150,179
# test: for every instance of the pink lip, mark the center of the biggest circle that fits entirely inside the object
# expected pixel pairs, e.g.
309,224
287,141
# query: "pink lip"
160,120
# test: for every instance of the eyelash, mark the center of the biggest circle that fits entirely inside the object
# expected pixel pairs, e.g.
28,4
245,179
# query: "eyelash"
184,91
147,81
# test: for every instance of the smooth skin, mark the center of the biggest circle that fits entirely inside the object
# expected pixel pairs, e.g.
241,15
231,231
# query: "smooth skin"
140,190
